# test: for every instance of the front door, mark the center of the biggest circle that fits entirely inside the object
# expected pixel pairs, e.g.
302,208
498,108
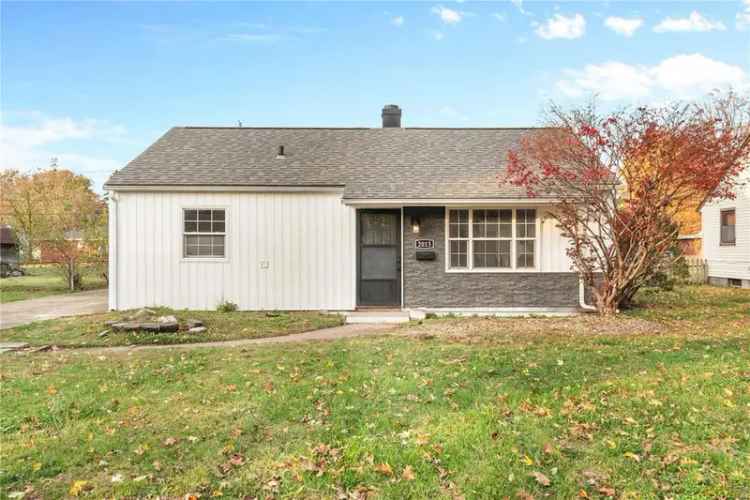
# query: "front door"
379,269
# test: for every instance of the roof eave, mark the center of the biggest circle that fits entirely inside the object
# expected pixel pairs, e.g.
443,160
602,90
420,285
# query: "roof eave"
225,188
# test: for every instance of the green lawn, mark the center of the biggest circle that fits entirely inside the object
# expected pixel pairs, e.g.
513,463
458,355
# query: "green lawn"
41,281
652,404
83,331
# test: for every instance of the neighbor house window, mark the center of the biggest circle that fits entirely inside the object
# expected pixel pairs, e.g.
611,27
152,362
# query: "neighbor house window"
728,221
204,233
491,239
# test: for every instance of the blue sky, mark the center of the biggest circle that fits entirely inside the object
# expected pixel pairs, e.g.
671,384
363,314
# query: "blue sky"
93,84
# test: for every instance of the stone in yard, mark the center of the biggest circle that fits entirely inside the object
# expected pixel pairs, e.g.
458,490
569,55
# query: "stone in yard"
41,348
12,346
151,327
169,326
166,319
143,313
197,329
193,323
112,322
126,326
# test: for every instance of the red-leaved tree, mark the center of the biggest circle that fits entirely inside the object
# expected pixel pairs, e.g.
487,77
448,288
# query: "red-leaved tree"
620,179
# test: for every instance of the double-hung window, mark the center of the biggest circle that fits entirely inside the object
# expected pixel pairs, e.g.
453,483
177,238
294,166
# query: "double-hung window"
204,233
491,239
525,237
728,222
492,236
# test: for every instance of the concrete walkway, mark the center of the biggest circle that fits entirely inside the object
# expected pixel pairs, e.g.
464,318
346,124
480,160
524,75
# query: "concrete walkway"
334,333
55,306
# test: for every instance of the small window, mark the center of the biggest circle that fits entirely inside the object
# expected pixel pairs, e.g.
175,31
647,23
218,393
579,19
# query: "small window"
734,282
458,238
728,221
525,237
204,233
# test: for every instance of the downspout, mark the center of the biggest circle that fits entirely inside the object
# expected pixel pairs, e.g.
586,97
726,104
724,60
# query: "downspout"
582,296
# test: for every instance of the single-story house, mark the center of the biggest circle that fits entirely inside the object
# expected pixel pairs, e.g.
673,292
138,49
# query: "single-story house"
334,219
726,236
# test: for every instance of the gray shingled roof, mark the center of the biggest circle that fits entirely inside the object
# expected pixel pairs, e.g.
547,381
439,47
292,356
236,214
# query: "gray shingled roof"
370,163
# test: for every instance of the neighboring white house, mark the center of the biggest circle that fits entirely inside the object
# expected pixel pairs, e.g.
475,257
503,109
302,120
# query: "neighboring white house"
726,237
333,219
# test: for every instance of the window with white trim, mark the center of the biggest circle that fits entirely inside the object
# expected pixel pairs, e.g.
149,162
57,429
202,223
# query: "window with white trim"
204,233
525,237
492,239
458,238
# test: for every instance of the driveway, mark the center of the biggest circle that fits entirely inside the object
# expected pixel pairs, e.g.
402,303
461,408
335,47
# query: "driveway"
55,306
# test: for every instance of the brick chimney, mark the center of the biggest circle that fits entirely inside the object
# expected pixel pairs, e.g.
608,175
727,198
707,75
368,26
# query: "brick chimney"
391,116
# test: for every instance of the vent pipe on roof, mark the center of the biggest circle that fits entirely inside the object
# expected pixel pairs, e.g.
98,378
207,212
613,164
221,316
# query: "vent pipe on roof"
280,154
391,116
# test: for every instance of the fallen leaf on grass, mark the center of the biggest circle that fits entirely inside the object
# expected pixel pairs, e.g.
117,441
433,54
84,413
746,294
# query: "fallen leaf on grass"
408,474
607,491
170,441
384,469
540,478
78,487
632,456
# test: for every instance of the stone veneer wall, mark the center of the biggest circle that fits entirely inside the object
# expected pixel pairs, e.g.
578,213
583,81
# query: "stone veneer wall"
426,284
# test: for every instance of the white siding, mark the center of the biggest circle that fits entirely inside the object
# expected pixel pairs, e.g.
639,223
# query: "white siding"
308,240
728,261
553,256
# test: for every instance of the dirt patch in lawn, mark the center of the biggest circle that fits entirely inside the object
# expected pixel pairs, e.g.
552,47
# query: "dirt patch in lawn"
488,328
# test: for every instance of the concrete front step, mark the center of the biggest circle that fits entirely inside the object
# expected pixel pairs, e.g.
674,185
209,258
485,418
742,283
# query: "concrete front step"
374,317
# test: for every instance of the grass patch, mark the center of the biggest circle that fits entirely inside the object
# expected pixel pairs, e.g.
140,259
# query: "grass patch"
83,331
488,413
41,281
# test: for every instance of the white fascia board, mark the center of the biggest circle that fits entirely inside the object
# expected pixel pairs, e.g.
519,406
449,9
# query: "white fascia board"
224,189
463,202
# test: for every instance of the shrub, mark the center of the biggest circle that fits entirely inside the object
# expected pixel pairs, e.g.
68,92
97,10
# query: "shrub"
226,307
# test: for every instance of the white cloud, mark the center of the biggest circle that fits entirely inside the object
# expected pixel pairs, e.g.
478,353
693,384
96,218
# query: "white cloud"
448,16
743,17
682,76
499,16
694,22
611,80
560,26
398,21
519,5
623,26
32,145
